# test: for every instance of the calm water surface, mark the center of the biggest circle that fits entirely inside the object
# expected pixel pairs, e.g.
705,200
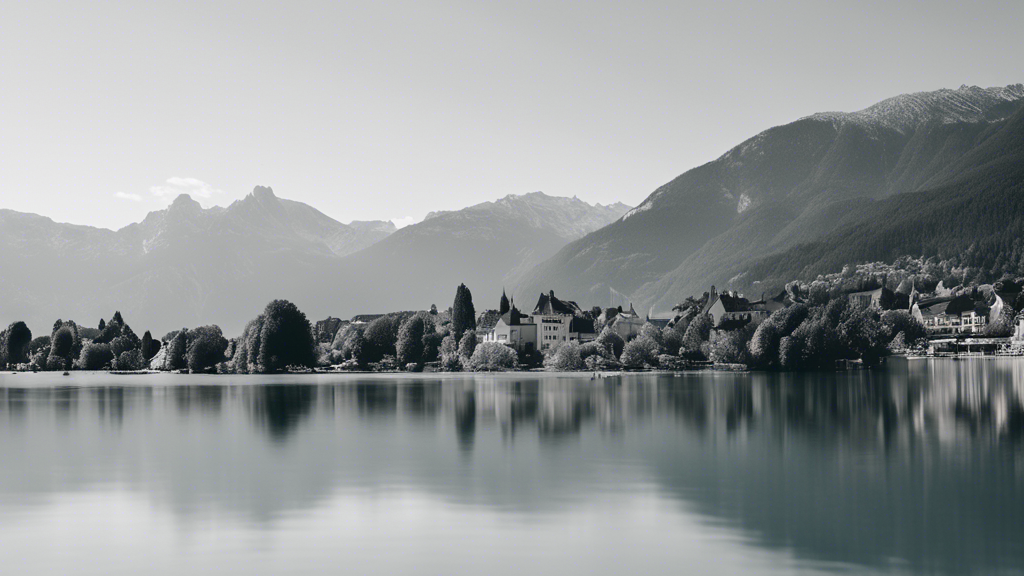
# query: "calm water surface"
918,468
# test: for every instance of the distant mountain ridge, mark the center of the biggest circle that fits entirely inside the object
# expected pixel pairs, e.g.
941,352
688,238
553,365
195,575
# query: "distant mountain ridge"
784,187
186,265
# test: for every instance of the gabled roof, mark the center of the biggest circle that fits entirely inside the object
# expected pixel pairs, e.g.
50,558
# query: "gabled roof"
548,305
513,317
730,303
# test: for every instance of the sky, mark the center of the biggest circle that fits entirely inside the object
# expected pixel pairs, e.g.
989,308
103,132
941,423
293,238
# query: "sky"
389,110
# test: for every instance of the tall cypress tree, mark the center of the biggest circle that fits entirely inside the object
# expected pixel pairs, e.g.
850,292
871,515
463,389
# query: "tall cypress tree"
463,314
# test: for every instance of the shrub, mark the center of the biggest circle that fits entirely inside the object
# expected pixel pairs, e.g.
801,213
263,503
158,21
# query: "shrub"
449,354
409,347
130,360
39,344
597,362
730,346
39,359
95,356
493,357
671,341
764,344
564,358
640,352
611,341
386,364
120,345
670,362
651,331
467,345
56,363
594,348
789,353
697,334
896,321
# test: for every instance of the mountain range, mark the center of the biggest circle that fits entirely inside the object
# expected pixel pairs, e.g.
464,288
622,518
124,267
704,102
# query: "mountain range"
806,197
186,265
928,174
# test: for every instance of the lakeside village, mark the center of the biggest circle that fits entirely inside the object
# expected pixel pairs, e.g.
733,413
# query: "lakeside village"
852,319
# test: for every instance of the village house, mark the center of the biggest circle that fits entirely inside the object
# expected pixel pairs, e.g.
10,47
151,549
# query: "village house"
959,315
867,298
552,322
515,330
627,323
730,310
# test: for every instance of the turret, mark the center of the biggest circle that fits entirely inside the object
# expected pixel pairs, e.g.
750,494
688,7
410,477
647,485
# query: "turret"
504,306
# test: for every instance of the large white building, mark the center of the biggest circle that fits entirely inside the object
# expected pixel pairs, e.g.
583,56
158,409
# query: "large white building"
552,322
960,315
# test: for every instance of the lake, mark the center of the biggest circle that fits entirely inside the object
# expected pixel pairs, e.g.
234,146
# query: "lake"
914,468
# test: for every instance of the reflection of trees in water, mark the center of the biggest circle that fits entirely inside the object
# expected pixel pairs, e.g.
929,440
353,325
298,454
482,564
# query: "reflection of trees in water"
906,401
377,399
110,403
202,398
13,401
281,407
421,399
465,418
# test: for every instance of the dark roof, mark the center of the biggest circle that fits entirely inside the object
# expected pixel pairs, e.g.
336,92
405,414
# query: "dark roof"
734,303
581,325
631,313
954,306
547,304
513,317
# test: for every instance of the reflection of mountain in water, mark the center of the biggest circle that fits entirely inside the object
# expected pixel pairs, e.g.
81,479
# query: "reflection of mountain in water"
922,462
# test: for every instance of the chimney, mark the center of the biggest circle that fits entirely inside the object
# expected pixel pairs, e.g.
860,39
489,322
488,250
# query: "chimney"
551,293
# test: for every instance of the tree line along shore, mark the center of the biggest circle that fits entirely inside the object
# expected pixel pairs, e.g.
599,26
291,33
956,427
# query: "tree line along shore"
823,329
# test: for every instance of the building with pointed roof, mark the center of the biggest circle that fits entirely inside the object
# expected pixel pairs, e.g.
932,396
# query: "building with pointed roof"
504,306
730,310
552,322
957,315
627,323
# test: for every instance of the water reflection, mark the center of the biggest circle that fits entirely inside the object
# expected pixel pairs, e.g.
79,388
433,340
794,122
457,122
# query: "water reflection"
917,467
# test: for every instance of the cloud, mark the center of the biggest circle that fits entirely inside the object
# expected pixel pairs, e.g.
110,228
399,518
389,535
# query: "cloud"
403,222
175,186
127,196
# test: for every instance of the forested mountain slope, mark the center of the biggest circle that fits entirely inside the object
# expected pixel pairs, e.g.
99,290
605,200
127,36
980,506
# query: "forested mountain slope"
784,187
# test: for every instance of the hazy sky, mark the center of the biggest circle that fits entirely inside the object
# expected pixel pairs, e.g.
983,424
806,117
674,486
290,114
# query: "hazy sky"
387,110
